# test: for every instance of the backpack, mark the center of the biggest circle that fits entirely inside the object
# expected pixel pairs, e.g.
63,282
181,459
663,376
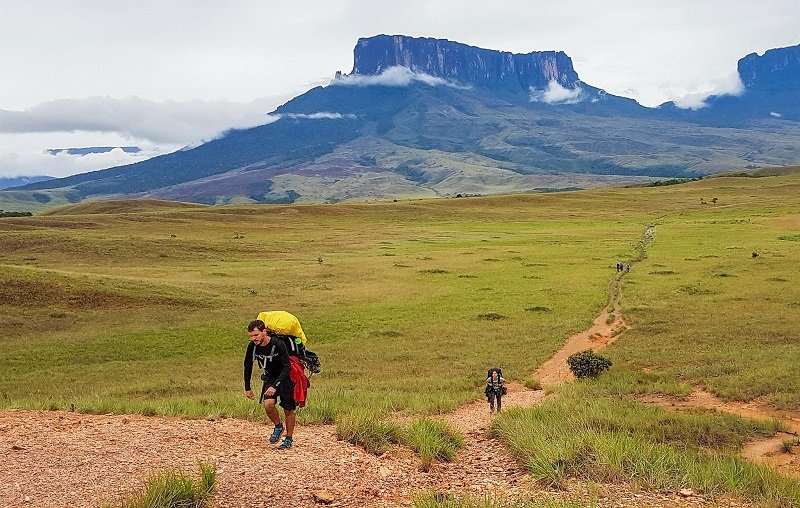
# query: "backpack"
499,371
295,347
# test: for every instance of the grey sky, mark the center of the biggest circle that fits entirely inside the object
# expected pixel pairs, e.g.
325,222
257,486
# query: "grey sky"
164,73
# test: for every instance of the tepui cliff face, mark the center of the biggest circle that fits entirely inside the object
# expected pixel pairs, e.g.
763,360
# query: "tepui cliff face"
467,65
777,69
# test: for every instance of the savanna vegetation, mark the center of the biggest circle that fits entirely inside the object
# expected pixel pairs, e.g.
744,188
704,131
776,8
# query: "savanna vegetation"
407,303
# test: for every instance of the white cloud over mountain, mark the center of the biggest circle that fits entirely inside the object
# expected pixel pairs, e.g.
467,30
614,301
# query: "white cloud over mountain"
393,76
137,118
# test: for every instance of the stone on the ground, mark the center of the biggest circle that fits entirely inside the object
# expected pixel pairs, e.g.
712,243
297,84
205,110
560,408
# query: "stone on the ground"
324,497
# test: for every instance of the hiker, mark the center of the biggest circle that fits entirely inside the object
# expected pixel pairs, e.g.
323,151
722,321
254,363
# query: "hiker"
627,267
495,390
272,354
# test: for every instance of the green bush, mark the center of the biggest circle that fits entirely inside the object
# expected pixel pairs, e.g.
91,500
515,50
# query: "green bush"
587,364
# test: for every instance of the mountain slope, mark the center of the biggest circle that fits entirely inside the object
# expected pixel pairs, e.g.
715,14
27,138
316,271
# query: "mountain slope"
450,119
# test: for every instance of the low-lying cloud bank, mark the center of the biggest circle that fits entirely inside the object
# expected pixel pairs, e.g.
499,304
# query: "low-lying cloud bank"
21,163
134,117
393,76
557,94
696,98
322,115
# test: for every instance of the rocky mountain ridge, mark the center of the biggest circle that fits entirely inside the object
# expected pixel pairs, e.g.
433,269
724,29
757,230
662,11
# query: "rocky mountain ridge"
464,64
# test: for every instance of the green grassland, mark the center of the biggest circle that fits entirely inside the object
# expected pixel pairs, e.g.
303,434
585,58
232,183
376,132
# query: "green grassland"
407,303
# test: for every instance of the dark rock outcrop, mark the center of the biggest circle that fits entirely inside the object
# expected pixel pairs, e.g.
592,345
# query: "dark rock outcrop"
464,64
777,69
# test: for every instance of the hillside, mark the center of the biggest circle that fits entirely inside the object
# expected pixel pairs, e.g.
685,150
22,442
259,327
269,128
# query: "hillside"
428,117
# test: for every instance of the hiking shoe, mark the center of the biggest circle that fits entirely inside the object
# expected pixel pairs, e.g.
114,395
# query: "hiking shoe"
287,443
276,434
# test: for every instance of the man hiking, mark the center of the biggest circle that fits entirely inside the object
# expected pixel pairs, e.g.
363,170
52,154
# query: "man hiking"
495,390
272,356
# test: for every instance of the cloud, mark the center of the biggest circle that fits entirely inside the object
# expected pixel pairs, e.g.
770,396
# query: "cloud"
65,164
393,76
557,94
134,117
322,115
696,97
775,115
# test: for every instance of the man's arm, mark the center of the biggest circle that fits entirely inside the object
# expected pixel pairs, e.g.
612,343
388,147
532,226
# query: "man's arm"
248,368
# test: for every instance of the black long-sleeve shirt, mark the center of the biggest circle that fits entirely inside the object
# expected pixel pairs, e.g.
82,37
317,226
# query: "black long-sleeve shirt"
272,358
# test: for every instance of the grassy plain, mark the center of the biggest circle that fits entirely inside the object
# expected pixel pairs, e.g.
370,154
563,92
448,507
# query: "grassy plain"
407,303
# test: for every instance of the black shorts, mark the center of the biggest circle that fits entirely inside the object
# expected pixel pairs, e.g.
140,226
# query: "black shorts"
285,393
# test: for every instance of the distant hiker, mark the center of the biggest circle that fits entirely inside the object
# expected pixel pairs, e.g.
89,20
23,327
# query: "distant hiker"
495,389
271,338
628,267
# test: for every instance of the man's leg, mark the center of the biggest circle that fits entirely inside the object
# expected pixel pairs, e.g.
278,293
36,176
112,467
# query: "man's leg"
272,412
290,419
499,402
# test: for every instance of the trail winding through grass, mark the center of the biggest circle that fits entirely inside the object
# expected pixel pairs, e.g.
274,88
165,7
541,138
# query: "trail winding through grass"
60,459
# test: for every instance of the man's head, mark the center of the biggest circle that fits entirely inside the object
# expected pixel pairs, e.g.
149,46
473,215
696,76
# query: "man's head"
257,331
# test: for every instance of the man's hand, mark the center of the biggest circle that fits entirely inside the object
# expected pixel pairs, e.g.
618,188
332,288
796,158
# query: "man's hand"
270,391
248,394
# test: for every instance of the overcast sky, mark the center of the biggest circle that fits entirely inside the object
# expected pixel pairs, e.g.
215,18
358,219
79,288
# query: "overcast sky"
167,73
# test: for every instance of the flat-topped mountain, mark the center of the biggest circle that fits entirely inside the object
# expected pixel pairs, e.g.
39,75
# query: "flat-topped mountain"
463,64
771,91
429,117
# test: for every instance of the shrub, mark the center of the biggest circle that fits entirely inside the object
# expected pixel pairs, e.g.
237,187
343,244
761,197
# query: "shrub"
587,364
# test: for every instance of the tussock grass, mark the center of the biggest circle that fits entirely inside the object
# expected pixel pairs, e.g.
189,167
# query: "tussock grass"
430,439
440,500
589,434
173,489
788,445
433,440
362,428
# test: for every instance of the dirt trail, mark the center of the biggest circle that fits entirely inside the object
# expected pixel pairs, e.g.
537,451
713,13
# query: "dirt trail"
600,334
